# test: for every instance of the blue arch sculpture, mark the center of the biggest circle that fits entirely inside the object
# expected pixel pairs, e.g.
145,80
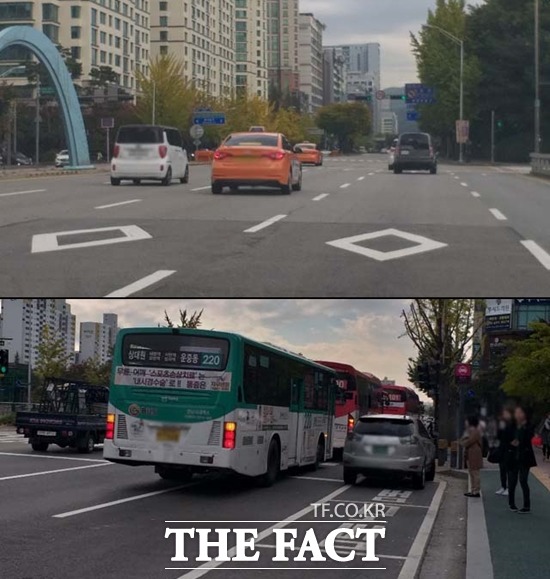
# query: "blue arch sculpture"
47,53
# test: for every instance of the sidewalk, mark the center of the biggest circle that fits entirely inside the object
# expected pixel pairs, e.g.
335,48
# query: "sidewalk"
503,544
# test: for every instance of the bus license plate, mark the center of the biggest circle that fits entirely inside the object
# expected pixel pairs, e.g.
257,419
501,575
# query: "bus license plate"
168,435
46,433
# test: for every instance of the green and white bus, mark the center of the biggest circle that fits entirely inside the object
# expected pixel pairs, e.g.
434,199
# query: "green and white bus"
190,401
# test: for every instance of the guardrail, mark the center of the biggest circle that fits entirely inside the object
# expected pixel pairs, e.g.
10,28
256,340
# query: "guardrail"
540,164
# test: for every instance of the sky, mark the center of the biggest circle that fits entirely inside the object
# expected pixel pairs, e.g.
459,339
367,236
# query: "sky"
363,333
385,21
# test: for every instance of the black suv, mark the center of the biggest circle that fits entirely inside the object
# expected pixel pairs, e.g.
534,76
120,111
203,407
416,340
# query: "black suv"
415,151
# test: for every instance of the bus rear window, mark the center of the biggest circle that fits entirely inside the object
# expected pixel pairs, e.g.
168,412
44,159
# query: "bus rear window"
175,351
141,135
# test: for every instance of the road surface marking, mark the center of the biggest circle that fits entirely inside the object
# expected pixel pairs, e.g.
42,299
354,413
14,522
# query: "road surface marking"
264,224
538,252
416,552
484,174
52,457
498,215
52,471
318,478
422,244
475,194
371,174
319,197
345,185
141,283
456,176
22,192
464,184
49,241
206,567
117,204
360,178
201,188
121,501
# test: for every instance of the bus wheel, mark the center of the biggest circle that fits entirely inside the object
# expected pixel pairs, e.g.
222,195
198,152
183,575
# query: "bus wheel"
174,474
273,465
319,455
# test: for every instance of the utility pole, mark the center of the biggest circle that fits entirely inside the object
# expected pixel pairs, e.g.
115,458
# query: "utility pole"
37,121
154,114
492,137
537,77
461,144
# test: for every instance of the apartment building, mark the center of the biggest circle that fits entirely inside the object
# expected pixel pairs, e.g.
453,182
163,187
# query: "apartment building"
333,77
310,60
251,47
282,45
97,339
23,320
111,33
201,33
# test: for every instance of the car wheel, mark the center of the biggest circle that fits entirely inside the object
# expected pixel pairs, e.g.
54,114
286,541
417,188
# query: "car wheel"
185,178
87,445
430,475
350,476
390,167
397,170
273,465
419,479
115,182
298,186
136,181
433,170
40,446
217,189
286,189
168,179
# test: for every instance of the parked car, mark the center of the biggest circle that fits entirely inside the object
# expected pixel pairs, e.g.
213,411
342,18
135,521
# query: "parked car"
415,151
21,159
388,443
62,158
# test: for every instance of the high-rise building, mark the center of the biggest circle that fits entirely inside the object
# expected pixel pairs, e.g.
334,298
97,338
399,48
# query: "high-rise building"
333,77
200,33
23,320
97,339
282,46
98,33
310,60
251,47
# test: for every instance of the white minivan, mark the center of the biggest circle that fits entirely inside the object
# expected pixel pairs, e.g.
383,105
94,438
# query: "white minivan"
149,152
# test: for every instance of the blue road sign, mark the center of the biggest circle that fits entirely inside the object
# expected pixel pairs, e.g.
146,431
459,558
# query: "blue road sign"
209,118
419,94
413,115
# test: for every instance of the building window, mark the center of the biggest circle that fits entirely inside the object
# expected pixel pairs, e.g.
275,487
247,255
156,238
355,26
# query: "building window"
163,49
76,52
51,31
102,18
75,32
163,35
50,12
75,11
163,6
163,21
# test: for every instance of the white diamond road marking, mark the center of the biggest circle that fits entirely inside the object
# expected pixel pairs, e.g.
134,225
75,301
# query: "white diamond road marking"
498,214
44,242
423,244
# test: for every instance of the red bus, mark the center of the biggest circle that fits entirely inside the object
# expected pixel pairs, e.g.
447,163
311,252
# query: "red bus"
391,399
355,397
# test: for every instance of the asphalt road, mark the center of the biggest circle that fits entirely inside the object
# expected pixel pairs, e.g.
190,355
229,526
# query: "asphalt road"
469,230
66,515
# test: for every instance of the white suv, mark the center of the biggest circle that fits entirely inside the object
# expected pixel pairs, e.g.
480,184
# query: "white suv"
149,152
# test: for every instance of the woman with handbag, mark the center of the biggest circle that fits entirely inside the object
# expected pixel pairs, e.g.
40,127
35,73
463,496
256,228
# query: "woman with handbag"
500,453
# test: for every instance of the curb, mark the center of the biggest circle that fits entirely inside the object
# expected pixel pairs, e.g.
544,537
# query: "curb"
8,176
479,564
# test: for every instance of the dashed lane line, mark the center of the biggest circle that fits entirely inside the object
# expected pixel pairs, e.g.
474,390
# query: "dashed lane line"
118,204
538,252
141,283
464,184
264,224
319,197
53,457
345,185
360,178
41,473
201,188
475,194
13,193
498,214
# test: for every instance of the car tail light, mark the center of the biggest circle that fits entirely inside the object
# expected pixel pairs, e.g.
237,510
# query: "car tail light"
276,155
219,155
110,429
163,151
229,434
431,151
351,423
116,151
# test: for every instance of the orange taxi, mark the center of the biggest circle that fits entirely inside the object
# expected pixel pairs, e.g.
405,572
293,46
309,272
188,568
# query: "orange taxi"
310,154
254,160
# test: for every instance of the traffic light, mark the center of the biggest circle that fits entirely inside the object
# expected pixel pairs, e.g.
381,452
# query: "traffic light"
398,97
500,124
4,362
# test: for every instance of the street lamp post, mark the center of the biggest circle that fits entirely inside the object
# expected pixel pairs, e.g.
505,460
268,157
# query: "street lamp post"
154,114
460,42
537,77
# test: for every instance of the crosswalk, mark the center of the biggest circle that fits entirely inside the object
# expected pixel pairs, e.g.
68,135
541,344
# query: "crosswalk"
9,437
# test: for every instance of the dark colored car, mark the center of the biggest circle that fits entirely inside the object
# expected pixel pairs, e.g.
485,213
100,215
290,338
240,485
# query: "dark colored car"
415,151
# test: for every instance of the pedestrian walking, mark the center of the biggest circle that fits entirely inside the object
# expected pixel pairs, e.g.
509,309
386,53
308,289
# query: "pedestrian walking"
545,435
500,453
471,441
521,460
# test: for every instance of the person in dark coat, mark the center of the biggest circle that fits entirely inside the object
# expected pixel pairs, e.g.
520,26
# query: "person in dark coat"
505,435
521,460
545,435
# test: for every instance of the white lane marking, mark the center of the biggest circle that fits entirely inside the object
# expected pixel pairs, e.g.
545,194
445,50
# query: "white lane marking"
117,204
464,184
345,185
416,552
22,192
201,188
484,174
498,215
319,197
475,194
49,241
264,224
538,252
206,567
52,471
456,176
371,174
318,478
141,283
51,456
360,178
121,501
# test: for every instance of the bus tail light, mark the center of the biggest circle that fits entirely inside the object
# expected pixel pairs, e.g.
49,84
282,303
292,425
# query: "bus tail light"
110,429
229,434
